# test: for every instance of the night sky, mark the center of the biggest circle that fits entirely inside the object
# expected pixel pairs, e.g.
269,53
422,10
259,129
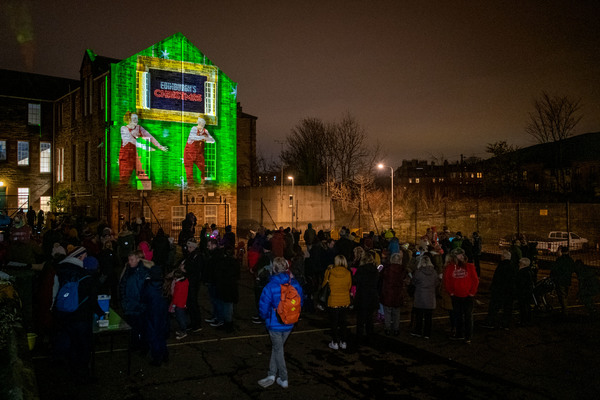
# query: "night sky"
424,78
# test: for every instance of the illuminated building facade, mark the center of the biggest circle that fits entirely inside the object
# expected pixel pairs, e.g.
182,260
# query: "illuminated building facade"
153,135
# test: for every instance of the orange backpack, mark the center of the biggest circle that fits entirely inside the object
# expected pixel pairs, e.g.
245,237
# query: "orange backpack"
288,310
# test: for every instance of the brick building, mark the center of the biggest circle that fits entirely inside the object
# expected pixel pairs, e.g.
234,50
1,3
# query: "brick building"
171,168
27,129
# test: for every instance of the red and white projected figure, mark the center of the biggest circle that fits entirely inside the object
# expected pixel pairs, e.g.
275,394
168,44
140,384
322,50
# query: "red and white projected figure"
194,150
128,157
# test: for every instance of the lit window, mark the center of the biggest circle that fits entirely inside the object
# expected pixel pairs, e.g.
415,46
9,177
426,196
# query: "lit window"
23,153
45,203
479,175
45,157
177,216
433,180
23,198
210,155
60,165
441,180
34,115
416,180
209,98
210,215
537,187
2,150
472,175
409,180
524,175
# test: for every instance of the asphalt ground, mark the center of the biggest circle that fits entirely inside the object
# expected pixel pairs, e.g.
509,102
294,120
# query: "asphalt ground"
554,358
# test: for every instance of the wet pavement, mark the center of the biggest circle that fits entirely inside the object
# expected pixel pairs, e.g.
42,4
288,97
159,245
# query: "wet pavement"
555,358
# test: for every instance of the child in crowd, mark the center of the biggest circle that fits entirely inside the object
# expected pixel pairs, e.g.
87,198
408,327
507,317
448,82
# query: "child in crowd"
179,291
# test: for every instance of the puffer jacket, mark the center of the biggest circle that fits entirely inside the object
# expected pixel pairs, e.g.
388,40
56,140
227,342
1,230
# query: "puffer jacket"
340,281
270,298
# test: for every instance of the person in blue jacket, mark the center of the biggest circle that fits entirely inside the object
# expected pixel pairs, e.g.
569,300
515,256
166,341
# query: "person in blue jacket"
278,331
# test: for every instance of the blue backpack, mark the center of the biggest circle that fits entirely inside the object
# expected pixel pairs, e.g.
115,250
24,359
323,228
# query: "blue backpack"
67,299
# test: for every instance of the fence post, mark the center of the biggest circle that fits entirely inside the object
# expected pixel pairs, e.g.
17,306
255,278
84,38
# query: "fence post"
518,219
416,219
568,226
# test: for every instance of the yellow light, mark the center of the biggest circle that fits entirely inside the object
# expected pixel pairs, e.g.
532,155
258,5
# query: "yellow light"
380,166
1,183
290,177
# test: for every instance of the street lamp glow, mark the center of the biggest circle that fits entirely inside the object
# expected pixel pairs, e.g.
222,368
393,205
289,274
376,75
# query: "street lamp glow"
291,178
381,166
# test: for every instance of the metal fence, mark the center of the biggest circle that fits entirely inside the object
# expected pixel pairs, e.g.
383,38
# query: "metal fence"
498,222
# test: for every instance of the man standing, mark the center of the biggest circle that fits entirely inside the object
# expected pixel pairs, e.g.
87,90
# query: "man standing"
278,331
213,259
502,293
561,273
130,291
75,324
193,271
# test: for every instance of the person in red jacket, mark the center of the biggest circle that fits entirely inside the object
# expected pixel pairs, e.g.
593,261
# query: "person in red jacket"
461,282
179,290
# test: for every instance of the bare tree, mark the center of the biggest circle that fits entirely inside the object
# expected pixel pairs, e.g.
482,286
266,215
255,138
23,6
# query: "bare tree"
554,118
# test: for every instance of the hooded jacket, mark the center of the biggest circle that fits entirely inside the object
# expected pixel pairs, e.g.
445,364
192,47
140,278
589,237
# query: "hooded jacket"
270,298
461,281
340,282
425,280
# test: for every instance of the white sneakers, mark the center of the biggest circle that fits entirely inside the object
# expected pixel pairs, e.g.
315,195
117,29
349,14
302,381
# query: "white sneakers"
268,381
283,384
336,346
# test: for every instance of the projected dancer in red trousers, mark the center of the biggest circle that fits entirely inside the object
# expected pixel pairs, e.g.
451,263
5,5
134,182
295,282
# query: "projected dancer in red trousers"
128,157
194,150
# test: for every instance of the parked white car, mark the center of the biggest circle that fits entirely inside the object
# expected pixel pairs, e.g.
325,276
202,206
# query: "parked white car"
558,239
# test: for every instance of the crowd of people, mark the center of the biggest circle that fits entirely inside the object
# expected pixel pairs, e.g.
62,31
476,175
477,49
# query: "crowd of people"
155,282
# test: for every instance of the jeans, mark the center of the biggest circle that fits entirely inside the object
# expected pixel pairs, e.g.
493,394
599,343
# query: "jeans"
392,318
463,311
277,364
227,311
337,317
216,303
181,318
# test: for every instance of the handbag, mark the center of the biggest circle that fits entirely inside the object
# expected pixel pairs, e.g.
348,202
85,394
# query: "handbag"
323,294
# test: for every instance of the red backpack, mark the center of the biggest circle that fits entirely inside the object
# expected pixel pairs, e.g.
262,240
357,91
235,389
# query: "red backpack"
288,310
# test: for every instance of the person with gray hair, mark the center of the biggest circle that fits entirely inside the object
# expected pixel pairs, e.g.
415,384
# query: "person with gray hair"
502,294
278,331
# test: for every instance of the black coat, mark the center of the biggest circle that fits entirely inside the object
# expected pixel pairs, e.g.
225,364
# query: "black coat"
366,281
227,275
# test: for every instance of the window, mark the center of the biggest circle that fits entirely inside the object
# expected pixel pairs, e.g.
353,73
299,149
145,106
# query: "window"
23,153
210,215
416,180
74,163
479,175
409,180
209,98
45,157
34,114
45,203
2,150
86,160
177,215
210,154
101,95
60,165
100,159
23,198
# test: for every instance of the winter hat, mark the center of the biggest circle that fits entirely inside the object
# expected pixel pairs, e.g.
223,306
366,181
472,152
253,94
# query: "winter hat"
90,263
78,252
58,249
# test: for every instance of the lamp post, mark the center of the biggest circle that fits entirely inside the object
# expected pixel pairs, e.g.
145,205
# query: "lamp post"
291,178
381,166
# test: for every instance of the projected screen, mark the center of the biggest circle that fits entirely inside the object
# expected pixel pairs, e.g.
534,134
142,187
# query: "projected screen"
174,121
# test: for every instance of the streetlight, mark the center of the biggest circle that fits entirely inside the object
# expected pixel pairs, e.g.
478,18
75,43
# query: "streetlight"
381,166
291,178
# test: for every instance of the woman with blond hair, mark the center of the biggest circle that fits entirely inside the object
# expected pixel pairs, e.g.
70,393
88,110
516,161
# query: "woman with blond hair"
339,279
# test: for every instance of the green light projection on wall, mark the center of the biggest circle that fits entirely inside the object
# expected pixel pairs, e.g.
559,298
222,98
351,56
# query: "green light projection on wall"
173,119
